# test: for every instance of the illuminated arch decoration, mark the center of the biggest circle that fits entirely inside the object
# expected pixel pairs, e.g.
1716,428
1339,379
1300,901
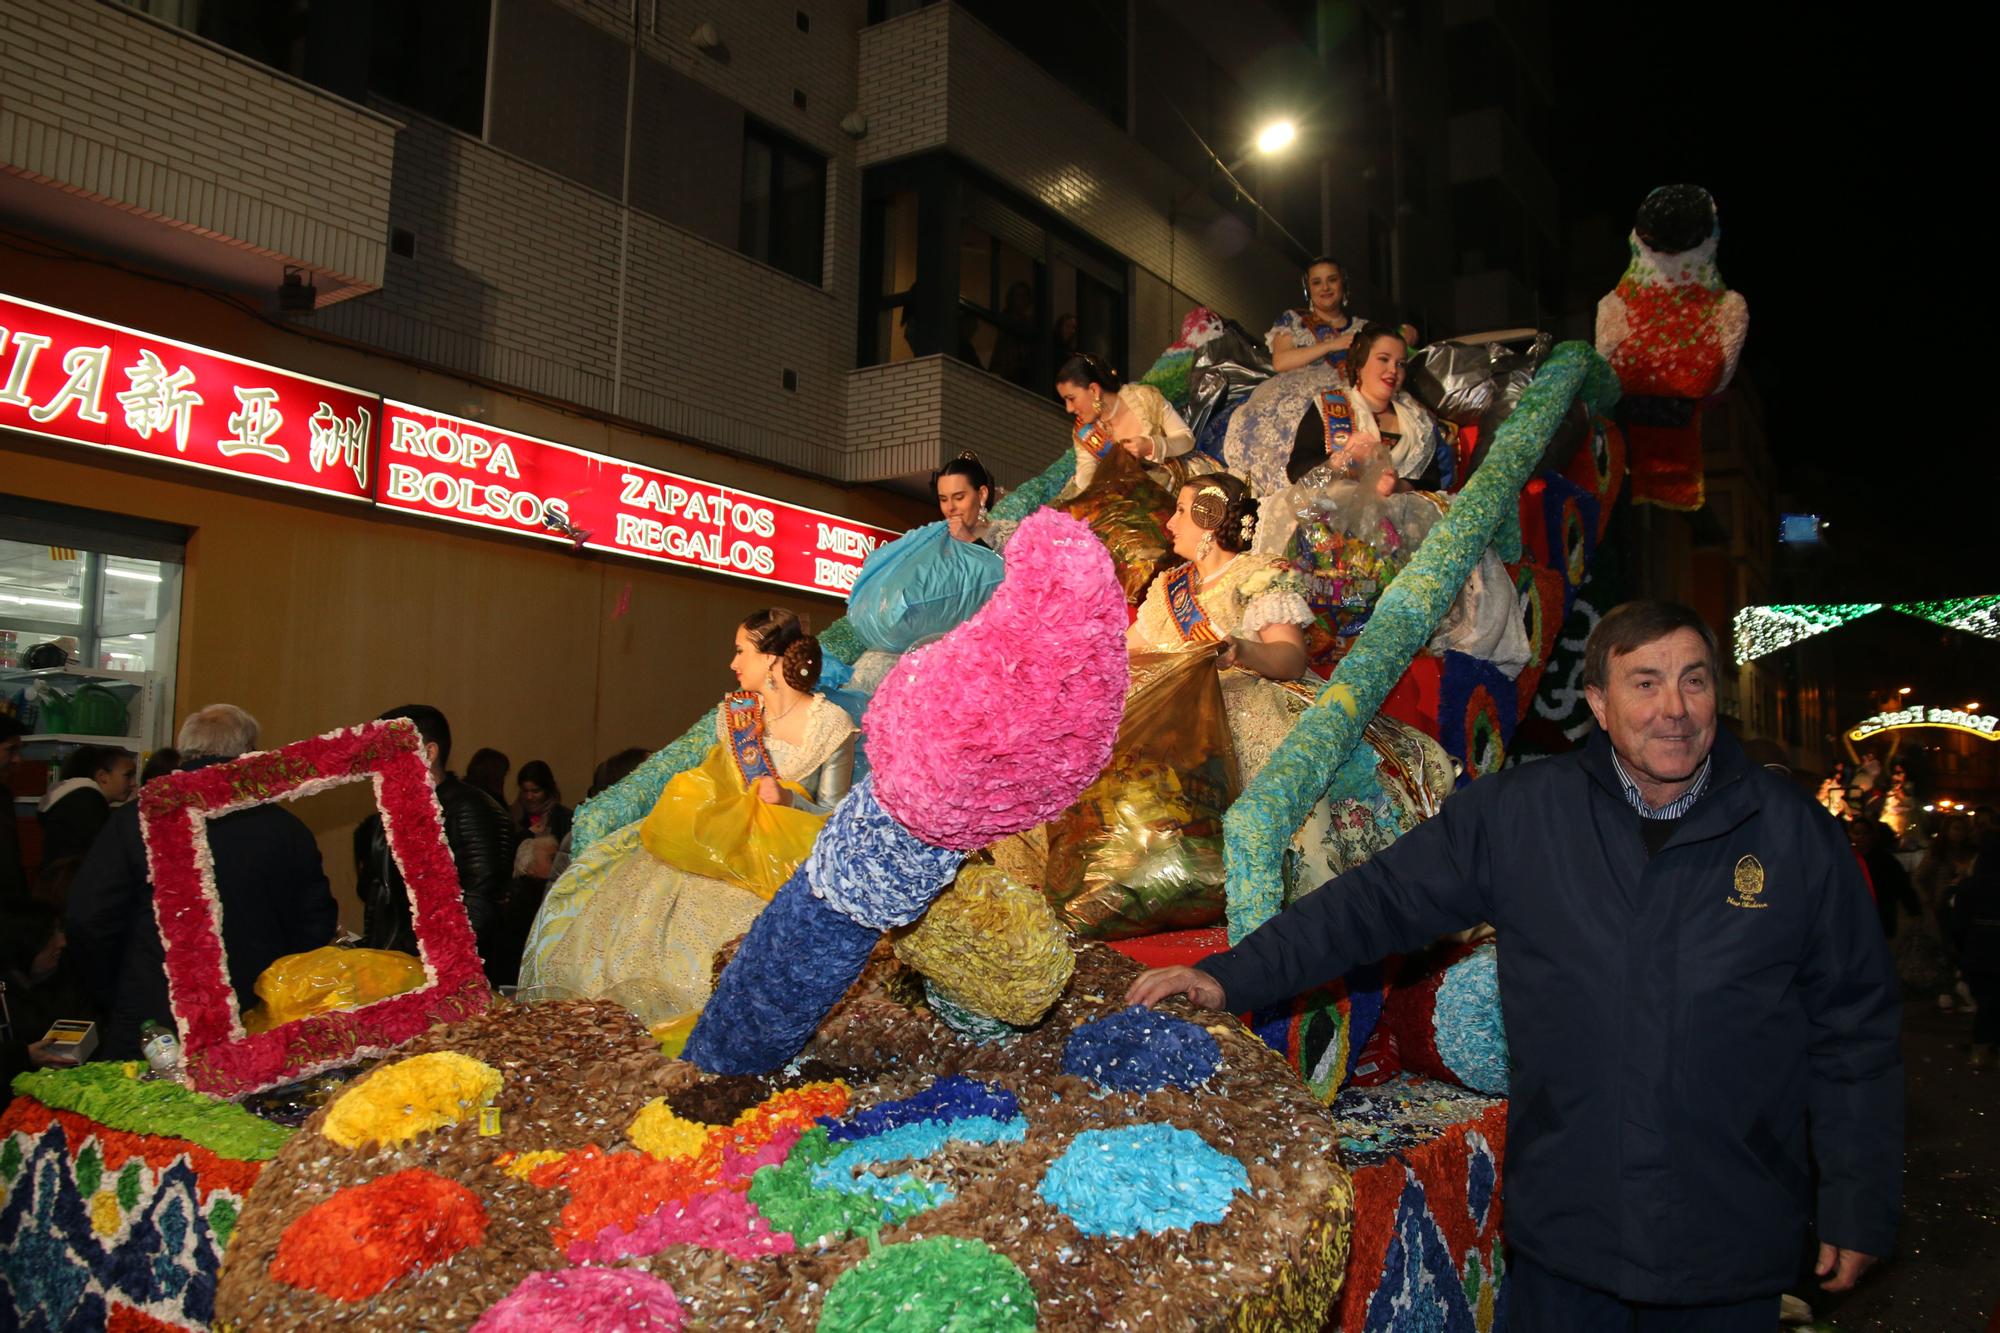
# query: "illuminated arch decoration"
1766,629
1986,726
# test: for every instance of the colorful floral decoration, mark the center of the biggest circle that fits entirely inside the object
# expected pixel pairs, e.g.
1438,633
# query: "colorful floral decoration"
955,1097
586,1300
939,1282
105,1228
1672,332
366,1238
1138,1049
1444,1018
805,1198
220,1057
1142,1179
410,1097
996,945
1259,824
1054,629
633,798
115,1095
722,1220
1322,1032
1427,1247
1477,707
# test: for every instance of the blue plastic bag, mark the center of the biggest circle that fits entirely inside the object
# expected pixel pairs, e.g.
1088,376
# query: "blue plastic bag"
919,586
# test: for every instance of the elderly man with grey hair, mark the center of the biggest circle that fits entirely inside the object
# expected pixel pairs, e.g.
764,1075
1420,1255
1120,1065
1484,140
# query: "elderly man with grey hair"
274,893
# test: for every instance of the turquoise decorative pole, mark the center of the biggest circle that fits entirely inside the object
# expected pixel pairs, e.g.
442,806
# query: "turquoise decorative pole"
1261,822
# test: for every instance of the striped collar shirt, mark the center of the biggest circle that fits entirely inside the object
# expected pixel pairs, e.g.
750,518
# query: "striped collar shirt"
1673,809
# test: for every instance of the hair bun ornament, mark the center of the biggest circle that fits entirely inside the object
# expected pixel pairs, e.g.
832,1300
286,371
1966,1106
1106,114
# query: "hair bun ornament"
802,661
1209,507
1248,528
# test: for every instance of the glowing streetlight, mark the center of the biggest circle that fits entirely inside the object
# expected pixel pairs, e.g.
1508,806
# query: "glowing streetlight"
1972,707
1904,690
1276,137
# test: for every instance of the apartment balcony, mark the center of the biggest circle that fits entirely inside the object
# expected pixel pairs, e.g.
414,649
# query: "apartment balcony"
134,138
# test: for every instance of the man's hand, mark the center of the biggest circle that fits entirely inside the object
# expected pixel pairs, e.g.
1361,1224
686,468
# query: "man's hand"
1847,1266
1160,982
51,1054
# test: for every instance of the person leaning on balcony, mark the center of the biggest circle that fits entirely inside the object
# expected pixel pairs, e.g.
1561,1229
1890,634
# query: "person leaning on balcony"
1134,417
1698,998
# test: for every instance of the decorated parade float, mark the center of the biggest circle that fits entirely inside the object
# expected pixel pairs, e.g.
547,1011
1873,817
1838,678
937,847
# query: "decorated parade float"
916,1098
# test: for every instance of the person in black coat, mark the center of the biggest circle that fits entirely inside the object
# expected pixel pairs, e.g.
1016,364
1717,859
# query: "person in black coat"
1975,918
1696,992
92,779
268,875
482,839
13,875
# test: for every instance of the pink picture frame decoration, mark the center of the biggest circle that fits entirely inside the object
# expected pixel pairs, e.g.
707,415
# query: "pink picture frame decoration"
219,1055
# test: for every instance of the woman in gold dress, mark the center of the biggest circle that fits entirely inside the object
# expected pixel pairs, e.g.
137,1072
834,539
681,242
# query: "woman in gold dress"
639,915
1250,611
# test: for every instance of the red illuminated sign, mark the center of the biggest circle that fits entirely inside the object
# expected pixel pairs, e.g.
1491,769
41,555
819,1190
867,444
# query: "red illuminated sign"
465,472
87,382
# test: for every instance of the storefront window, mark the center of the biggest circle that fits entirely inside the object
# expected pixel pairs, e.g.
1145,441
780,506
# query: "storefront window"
89,623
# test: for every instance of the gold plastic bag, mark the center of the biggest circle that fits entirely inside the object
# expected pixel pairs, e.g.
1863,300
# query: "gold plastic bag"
991,945
323,980
707,823
1128,511
1141,851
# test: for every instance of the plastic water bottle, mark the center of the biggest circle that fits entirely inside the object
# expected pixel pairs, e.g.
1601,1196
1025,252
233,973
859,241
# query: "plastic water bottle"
161,1048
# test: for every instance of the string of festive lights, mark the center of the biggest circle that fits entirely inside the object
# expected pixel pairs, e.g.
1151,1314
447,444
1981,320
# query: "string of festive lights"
1974,615
1765,629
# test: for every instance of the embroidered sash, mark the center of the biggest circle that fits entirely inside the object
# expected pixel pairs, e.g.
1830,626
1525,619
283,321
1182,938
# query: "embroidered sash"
743,719
1095,440
1310,321
1337,415
1186,610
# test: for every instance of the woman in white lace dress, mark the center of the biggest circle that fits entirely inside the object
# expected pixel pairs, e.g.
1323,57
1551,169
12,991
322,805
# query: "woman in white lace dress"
638,917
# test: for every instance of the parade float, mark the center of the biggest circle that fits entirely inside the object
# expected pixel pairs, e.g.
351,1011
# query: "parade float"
882,1130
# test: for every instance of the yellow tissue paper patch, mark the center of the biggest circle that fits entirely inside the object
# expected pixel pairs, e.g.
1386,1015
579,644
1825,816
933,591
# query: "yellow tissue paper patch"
522,1165
991,945
411,1097
657,1130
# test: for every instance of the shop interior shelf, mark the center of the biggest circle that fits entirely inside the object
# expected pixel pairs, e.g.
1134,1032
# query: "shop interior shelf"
136,679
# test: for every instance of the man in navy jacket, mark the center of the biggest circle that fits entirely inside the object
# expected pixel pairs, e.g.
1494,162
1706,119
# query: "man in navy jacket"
1695,987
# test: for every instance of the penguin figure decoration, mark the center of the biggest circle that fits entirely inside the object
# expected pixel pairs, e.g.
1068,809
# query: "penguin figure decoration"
1673,331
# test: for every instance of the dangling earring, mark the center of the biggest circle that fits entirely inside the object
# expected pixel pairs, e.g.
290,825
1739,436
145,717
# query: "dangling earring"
1097,402
770,680
1207,545
982,514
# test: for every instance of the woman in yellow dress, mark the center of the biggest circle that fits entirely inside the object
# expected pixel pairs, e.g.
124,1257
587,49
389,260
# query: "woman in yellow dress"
1250,611
638,917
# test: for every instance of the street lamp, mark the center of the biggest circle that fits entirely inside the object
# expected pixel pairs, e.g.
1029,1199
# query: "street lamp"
1276,137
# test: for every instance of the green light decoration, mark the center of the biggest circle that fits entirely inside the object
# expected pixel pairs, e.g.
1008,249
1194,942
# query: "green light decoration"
1766,629
1974,615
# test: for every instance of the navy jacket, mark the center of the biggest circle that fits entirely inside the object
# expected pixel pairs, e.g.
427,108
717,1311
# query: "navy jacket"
1677,1026
275,901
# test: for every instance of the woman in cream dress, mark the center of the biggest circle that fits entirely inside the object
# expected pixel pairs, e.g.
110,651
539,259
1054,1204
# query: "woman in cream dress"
638,917
1250,611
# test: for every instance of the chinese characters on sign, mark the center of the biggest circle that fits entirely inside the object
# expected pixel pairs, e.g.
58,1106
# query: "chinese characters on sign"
466,472
69,378
82,381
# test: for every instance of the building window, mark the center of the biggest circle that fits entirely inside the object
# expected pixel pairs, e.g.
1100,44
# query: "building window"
952,263
784,203
999,307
